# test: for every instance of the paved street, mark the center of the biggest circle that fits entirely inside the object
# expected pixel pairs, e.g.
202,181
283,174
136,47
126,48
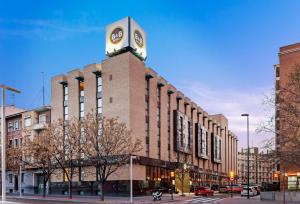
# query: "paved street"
189,199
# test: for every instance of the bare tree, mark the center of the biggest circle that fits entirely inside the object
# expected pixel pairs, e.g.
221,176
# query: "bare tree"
108,146
66,139
287,102
38,152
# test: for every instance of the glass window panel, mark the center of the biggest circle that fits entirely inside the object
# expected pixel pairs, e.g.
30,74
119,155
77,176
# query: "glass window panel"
42,118
27,121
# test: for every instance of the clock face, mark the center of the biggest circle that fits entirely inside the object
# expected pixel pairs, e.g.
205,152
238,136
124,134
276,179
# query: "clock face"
116,35
138,38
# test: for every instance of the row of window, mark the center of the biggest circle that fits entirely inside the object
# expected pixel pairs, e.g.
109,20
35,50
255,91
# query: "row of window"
147,131
17,124
10,178
81,97
158,122
16,144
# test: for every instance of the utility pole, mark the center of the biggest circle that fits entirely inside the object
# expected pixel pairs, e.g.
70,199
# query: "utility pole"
248,153
3,139
131,190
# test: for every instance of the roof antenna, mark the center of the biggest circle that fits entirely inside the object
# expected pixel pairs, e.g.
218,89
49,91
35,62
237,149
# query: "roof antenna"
43,89
13,99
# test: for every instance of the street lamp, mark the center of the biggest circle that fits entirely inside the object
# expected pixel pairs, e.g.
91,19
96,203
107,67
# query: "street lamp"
248,169
3,166
131,192
173,184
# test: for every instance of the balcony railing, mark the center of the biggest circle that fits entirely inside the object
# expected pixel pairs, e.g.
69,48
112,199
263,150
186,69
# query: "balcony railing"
39,126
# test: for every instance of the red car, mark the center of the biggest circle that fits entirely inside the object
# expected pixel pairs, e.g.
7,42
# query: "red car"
204,191
234,188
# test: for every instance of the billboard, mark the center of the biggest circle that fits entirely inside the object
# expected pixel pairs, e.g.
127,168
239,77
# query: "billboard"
201,141
216,153
125,35
182,133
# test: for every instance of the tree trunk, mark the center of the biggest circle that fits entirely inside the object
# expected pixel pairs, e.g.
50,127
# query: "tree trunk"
70,188
101,189
44,181
182,183
44,185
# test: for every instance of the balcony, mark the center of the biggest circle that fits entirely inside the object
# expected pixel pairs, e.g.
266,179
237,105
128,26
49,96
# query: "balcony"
39,126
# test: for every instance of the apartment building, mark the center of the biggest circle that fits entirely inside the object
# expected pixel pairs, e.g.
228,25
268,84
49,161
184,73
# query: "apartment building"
289,61
167,122
261,166
18,125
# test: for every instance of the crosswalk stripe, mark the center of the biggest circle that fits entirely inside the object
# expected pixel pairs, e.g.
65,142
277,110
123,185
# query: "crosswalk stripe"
202,200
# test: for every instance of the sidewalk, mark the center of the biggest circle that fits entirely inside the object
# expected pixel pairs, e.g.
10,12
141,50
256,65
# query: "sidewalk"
107,199
252,200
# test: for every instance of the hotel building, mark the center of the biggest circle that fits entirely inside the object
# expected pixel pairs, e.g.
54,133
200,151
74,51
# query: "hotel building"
168,123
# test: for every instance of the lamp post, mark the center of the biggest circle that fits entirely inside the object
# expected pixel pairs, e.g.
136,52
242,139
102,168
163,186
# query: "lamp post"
131,191
248,169
173,184
3,130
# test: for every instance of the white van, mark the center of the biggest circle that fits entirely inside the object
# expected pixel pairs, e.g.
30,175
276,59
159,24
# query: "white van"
252,191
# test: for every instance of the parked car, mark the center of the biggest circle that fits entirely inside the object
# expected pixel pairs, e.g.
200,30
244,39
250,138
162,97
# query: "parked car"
252,191
215,187
204,191
223,189
235,188
258,189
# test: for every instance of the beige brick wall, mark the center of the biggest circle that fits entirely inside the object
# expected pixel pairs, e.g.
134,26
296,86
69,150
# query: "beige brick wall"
123,94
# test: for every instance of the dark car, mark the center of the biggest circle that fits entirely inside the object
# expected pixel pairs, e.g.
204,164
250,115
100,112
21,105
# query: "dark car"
204,191
223,189
215,187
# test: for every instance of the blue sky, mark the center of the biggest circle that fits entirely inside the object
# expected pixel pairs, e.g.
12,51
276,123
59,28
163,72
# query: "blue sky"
220,53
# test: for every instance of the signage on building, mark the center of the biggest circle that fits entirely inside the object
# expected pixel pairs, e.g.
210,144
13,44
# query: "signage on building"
125,35
182,132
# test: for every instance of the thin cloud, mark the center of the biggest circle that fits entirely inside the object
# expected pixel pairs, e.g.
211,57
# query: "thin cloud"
43,28
232,103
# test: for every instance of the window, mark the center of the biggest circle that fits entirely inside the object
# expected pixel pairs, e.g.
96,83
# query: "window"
65,102
81,99
66,92
27,121
42,118
66,113
147,83
99,94
10,127
158,121
22,177
99,104
292,183
10,178
16,125
81,174
9,143
169,126
16,143
217,148
202,132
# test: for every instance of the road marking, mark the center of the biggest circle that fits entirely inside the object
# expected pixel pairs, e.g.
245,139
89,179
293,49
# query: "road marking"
202,200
